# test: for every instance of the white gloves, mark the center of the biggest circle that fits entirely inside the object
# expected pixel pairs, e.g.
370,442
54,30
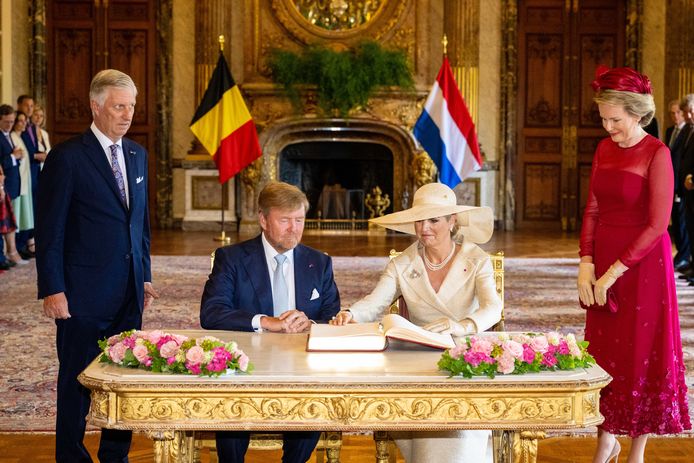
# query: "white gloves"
615,271
447,326
586,280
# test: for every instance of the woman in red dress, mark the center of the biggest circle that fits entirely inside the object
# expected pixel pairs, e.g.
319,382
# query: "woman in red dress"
624,242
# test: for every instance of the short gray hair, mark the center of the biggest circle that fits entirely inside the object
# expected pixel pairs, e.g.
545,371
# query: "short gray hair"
687,102
109,78
640,105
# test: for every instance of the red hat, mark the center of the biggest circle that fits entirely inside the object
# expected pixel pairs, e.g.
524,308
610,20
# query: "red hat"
621,79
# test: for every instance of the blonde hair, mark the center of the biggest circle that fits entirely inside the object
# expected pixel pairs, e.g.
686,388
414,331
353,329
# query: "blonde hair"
106,79
282,196
639,105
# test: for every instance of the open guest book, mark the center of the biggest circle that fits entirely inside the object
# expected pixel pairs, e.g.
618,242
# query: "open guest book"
373,336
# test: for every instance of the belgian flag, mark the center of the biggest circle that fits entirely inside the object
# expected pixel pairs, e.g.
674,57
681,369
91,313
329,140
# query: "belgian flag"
223,124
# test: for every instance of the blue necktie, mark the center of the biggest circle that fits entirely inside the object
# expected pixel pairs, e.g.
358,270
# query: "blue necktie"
280,293
118,174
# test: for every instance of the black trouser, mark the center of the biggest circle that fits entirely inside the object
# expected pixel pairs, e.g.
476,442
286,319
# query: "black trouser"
680,236
297,447
77,344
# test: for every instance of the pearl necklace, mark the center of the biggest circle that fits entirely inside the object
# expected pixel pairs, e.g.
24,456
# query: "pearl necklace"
440,265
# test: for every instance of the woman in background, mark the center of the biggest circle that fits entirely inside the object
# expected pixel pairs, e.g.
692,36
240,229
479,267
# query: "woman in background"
447,282
23,205
625,244
42,141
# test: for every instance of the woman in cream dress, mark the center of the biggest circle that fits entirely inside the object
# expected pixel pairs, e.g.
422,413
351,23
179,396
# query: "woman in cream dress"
448,285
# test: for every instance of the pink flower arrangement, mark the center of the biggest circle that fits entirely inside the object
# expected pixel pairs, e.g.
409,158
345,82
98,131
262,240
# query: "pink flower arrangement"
173,353
492,353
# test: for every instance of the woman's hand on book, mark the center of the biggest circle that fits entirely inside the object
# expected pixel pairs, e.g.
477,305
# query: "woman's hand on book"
342,318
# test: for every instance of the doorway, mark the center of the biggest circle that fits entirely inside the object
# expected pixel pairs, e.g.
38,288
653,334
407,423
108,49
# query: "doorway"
560,44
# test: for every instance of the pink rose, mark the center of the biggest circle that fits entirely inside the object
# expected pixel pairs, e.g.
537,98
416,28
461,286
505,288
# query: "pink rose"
169,349
457,351
243,361
539,344
528,354
195,355
179,338
113,339
153,336
481,345
553,338
140,352
506,363
549,360
514,349
117,352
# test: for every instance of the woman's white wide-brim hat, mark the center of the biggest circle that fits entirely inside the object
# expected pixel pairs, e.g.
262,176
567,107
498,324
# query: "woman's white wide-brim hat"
437,200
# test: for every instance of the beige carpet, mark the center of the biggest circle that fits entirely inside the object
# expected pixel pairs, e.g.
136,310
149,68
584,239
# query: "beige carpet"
540,295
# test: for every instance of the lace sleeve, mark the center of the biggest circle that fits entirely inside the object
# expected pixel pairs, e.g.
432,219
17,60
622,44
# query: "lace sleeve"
660,192
590,216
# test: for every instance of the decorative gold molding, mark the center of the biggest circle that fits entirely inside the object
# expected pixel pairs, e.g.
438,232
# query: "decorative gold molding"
382,23
345,411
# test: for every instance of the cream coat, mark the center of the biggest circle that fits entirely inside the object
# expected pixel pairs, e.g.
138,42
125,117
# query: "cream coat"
468,291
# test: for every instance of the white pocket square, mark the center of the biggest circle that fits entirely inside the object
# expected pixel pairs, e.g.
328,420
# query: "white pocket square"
139,179
314,294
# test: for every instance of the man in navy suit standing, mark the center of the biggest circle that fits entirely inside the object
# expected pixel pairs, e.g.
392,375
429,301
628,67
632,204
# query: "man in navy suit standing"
271,283
92,252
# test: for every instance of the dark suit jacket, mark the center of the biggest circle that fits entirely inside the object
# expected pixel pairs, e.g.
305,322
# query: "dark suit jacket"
87,242
686,168
239,286
13,181
682,144
32,148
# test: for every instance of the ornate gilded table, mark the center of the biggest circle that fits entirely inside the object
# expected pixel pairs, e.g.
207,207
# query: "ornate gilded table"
291,389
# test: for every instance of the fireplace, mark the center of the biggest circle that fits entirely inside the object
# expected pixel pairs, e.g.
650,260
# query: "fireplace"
337,176
337,162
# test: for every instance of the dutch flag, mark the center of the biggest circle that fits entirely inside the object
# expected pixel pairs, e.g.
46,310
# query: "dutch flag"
446,131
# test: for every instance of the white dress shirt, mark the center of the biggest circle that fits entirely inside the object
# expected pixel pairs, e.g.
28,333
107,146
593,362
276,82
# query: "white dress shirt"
288,269
9,140
106,143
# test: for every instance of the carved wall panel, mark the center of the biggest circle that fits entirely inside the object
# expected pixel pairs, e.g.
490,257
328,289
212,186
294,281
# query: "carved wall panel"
542,184
72,103
544,64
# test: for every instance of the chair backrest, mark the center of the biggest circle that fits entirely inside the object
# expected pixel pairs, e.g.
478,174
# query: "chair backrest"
399,306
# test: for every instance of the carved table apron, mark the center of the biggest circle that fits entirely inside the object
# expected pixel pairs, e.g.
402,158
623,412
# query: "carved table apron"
291,389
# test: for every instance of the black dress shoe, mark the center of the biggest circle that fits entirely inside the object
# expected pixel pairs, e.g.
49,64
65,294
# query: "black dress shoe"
682,266
26,254
5,265
687,274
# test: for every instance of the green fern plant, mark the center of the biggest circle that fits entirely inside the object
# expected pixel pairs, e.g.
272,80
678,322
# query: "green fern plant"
344,80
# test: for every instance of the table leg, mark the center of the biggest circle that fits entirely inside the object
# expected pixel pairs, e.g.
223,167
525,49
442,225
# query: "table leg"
173,446
516,446
525,446
385,448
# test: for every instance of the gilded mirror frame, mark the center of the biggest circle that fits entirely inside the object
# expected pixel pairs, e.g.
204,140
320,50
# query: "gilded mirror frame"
390,13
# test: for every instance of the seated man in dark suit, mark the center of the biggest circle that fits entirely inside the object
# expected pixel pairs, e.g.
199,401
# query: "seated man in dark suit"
271,283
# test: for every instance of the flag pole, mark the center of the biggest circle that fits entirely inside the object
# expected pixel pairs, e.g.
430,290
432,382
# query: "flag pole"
225,186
